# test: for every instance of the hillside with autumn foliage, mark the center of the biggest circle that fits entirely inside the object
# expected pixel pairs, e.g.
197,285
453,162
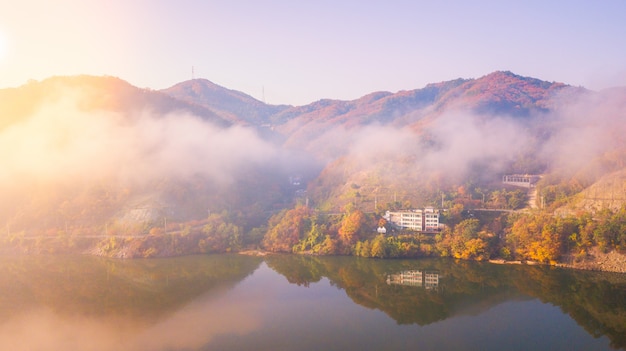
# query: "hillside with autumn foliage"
97,165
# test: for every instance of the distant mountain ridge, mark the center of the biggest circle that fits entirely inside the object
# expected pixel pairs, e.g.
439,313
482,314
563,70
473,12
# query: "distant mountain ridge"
96,93
500,91
232,105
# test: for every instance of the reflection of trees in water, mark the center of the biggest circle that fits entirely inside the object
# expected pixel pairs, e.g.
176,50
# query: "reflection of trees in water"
298,269
595,300
366,282
148,289
86,285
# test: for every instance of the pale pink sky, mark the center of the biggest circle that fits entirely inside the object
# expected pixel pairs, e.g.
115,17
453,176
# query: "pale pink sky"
301,51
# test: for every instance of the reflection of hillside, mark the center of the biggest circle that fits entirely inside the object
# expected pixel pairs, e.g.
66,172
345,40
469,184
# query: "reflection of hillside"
298,269
595,300
141,289
367,282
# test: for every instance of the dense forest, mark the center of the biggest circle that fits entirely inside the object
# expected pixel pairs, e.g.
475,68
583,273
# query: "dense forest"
480,235
469,231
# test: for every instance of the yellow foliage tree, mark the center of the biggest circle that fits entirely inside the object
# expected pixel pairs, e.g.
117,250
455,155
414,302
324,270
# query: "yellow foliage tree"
351,226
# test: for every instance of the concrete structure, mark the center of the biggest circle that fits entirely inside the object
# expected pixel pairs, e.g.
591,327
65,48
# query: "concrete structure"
406,219
431,219
422,220
523,180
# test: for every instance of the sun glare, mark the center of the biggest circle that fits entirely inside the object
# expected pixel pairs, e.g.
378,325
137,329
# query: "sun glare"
3,46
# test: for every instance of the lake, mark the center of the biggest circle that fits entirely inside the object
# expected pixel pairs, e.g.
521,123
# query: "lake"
291,302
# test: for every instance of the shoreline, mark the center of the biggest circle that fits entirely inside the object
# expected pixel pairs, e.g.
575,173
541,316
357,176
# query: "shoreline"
613,262
597,261
257,253
594,260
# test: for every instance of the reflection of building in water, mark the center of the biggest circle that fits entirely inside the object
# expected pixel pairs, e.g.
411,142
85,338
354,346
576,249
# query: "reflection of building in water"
412,278
431,280
426,279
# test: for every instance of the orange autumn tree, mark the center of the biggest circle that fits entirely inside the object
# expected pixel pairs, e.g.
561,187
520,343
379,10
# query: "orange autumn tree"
286,229
351,227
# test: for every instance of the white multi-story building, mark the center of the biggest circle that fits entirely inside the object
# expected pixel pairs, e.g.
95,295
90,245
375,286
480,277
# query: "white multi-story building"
431,219
406,219
423,220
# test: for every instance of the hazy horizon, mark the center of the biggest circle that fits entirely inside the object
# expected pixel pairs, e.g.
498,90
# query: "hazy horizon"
296,53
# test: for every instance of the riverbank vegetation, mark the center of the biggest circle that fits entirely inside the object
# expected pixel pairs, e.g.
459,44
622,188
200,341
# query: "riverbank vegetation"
536,235
477,224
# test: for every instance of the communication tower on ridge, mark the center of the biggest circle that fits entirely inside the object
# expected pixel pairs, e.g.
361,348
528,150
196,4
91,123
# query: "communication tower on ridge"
193,74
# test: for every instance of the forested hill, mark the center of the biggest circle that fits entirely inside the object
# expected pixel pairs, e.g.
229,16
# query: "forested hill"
93,94
499,92
502,93
97,156
232,105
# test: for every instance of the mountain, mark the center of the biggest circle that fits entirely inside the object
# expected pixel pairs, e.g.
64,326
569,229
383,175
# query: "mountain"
410,146
496,94
92,154
95,93
503,93
84,152
231,105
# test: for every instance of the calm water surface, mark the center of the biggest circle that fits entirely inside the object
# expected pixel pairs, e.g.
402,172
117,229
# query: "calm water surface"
231,302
